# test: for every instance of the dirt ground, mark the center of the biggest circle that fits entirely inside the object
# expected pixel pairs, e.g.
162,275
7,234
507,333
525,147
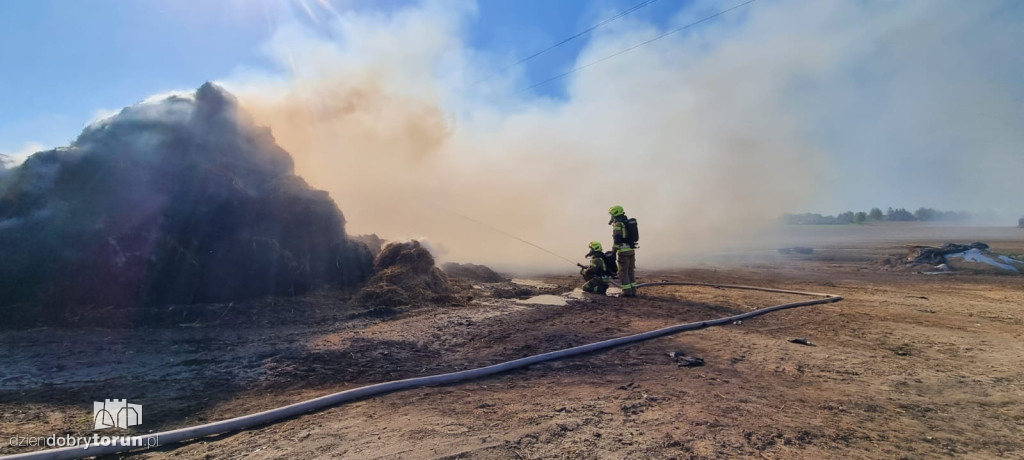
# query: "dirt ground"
907,366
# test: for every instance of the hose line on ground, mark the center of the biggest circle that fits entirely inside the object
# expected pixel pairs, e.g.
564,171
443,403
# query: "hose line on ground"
262,418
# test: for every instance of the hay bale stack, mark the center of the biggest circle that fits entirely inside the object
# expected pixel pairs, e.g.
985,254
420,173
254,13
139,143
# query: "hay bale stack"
181,200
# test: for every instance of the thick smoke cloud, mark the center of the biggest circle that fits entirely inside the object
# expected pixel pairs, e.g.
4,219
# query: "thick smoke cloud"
13,158
705,136
176,200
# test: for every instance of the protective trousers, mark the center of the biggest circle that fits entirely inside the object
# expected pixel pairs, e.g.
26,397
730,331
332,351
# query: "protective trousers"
596,285
627,265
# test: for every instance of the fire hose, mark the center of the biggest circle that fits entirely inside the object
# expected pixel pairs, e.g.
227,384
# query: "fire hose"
274,415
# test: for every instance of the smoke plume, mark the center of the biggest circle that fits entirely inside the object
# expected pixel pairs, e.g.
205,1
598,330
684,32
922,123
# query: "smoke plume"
705,136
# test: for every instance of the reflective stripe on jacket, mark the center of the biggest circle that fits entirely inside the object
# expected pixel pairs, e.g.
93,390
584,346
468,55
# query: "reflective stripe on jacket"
619,235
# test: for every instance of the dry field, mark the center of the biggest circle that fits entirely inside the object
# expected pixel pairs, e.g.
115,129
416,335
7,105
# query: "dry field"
907,366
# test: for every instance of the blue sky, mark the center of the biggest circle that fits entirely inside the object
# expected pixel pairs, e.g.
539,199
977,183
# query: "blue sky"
65,60
872,99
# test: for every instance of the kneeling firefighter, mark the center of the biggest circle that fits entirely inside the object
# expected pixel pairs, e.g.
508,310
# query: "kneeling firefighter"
596,274
625,237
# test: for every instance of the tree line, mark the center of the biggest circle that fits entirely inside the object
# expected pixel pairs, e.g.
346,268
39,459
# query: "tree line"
876,215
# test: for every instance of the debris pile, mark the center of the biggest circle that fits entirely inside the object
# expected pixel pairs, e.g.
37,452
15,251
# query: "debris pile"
975,257
934,256
472,272
174,201
404,275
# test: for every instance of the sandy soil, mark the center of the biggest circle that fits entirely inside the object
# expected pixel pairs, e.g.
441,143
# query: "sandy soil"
907,366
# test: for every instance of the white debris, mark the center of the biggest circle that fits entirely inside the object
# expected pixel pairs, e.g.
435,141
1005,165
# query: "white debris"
1009,260
976,255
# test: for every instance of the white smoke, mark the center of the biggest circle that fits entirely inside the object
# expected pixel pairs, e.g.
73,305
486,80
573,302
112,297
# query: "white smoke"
17,157
704,136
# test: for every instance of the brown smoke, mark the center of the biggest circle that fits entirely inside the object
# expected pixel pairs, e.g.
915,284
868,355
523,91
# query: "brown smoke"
704,138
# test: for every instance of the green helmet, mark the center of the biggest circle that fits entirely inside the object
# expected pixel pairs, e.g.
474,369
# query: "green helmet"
616,211
595,246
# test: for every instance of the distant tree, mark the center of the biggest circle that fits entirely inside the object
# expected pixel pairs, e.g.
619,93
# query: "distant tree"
808,218
927,214
1020,223
898,215
892,214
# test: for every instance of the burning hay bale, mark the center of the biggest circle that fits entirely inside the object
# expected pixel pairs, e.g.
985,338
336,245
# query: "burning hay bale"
181,200
405,275
472,272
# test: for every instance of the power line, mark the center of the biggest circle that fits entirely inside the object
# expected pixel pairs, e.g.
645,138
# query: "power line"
631,48
580,34
498,230
577,35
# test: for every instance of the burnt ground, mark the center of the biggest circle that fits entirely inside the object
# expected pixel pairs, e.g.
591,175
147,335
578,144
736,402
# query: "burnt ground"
907,366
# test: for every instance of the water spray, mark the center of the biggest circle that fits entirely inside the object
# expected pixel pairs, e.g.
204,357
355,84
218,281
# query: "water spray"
502,232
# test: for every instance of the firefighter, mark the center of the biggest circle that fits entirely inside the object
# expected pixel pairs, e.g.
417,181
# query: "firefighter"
625,248
596,274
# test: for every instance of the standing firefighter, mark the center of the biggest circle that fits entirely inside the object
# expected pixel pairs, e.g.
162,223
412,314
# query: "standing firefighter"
625,236
596,274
